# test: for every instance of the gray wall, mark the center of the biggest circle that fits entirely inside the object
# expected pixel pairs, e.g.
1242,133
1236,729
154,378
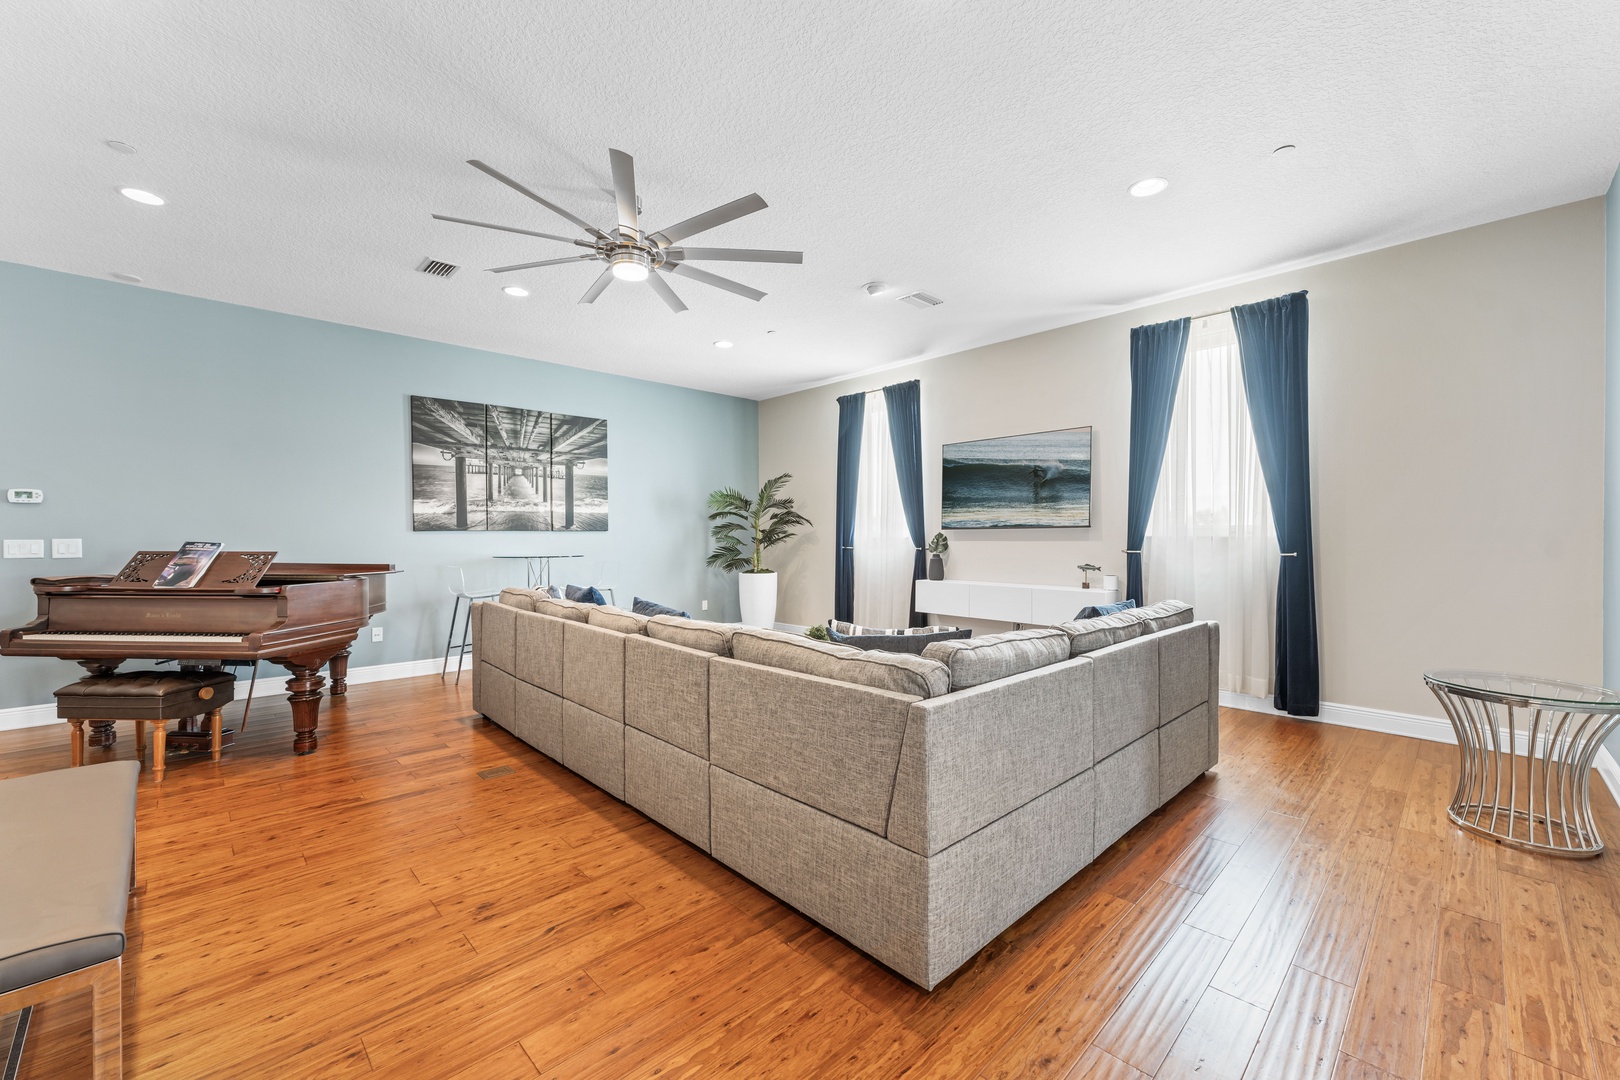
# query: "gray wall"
1611,452
1456,399
151,418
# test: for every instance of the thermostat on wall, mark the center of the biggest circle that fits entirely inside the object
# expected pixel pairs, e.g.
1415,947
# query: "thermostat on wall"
25,495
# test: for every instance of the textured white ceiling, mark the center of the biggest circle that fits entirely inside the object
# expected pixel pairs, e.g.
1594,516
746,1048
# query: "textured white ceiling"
979,151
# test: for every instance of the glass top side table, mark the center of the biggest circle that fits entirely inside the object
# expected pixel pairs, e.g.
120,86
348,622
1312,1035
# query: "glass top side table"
1526,747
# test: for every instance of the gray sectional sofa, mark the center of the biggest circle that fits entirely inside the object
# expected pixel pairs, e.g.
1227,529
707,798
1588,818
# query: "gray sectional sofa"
914,805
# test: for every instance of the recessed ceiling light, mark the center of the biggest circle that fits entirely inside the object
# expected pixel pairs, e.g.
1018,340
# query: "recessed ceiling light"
130,278
875,288
722,344
515,290
121,147
1151,186
144,197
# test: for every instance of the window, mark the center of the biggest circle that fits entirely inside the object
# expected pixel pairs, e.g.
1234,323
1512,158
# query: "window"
883,549
1210,539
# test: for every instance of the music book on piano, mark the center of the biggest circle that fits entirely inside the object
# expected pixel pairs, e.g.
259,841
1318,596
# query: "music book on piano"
188,565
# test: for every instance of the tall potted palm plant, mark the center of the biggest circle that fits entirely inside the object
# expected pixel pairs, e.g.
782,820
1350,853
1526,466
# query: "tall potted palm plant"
744,529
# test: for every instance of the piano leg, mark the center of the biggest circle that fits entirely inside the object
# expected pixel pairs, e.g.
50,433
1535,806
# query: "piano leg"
338,668
304,695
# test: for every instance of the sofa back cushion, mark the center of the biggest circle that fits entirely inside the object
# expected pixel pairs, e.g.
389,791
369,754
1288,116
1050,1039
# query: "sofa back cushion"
1089,635
612,618
895,672
1165,614
709,637
522,599
914,640
974,661
563,609
593,672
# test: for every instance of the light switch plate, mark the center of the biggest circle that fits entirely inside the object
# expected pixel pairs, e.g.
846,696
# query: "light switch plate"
67,549
25,495
25,549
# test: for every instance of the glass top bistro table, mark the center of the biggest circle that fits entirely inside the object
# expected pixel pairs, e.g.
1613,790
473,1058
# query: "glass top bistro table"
538,566
1526,746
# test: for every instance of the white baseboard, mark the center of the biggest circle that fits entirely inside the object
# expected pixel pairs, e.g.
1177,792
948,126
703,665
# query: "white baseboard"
27,716
1431,728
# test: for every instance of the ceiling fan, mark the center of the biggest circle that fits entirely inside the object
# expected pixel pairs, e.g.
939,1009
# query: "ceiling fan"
632,255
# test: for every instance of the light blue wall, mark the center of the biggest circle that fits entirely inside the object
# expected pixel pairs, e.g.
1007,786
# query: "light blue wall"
1611,450
150,418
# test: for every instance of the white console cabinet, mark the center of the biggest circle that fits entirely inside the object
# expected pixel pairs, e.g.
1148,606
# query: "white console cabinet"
1031,605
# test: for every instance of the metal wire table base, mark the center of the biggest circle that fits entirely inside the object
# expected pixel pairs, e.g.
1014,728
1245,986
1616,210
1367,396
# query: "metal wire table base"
1526,767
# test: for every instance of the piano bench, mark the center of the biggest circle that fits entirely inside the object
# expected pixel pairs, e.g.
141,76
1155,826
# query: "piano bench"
67,842
147,697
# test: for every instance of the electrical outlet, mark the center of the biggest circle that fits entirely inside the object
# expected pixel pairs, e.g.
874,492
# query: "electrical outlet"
705,605
25,549
67,549
376,633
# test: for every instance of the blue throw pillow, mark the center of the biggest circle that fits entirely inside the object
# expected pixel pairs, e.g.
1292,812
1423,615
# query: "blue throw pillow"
647,607
1104,609
586,594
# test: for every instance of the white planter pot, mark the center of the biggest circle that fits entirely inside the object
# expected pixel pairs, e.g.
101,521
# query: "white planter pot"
757,594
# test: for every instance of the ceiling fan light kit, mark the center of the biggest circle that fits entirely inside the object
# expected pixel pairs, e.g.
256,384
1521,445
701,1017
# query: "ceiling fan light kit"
630,254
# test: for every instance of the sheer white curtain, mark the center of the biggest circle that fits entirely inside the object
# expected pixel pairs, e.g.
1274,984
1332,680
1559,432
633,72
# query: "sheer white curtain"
883,549
1211,540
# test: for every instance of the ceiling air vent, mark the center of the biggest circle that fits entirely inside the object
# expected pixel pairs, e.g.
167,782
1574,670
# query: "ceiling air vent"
921,299
437,268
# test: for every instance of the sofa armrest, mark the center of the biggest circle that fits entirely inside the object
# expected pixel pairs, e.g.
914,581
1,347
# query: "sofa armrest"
828,744
972,756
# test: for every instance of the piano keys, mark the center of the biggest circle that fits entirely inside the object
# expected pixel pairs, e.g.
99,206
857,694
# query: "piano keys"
301,616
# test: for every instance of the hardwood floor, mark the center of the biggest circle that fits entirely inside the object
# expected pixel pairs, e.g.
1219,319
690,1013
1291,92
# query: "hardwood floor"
428,897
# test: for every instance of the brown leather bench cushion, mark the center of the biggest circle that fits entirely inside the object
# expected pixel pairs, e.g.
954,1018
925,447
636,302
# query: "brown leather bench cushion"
145,695
66,841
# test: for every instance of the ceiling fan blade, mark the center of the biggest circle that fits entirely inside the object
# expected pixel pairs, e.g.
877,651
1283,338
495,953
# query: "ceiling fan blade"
759,255
542,262
624,188
661,287
714,279
597,286
707,220
510,228
590,230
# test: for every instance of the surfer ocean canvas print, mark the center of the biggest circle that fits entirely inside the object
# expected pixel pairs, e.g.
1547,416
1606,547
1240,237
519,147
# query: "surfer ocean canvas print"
1018,481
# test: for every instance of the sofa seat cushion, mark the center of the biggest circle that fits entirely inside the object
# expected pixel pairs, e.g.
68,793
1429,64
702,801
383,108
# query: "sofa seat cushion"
896,672
562,609
974,661
612,618
709,637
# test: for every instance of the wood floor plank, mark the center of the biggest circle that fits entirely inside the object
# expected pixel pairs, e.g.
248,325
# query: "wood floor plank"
1470,956
1592,910
1264,949
1470,885
1148,1020
1335,942
1095,1064
1389,1021
1216,1042
1226,906
1355,1069
1200,863
1059,1030
1301,1038
1545,1017
1467,1037
1530,1069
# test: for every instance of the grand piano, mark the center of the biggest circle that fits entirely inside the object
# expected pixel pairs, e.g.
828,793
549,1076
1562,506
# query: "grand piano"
246,606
